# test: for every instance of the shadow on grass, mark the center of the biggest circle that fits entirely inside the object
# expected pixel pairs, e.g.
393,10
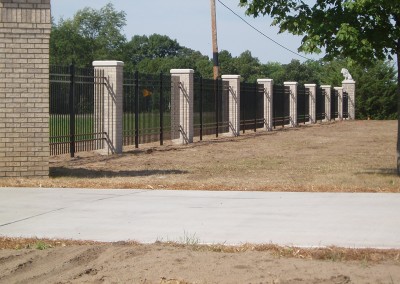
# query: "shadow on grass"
91,173
383,172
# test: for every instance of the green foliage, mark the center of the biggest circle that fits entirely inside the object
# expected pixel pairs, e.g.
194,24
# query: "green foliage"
90,35
361,29
39,245
376,86
97,34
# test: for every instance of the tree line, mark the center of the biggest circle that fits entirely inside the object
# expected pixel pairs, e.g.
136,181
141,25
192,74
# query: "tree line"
98,35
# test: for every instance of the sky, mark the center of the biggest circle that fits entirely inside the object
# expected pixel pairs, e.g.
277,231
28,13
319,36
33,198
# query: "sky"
189,22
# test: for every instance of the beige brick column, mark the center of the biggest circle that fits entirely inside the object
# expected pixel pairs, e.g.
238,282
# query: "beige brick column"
182,105
349,86
25,27
327,90
233,103
268,102
312,89
293,102
340,102
112,104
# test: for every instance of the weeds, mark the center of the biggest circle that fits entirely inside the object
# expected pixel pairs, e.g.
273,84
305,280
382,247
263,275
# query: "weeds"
190,240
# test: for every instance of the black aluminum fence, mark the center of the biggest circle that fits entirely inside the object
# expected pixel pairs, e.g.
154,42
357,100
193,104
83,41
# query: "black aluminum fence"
251,106
146,108
320,104
303,104
345,105
76,118
281,105
334,104
211,113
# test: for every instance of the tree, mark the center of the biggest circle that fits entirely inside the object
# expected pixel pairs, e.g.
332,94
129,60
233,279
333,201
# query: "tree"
302,73
90,35
364,30
154,46
376,91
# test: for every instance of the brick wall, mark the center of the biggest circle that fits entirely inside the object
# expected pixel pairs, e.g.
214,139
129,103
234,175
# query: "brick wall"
24,88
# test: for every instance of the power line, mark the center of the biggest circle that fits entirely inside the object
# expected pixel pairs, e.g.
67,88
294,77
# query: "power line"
260,32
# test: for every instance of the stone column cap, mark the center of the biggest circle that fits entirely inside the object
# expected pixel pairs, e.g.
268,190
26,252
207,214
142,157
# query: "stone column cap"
181,71
348,82
291,83
326,86
338,88
310,85
230,76
107,63
265,80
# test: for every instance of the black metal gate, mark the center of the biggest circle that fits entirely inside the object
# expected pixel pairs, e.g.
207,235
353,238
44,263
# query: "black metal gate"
303,104
146,108
76,114
320,104
211,113
251,106
345,105
334,104
281,105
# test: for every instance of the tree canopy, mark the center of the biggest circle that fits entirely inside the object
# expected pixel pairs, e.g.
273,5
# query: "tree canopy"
98,35
90,35
360,29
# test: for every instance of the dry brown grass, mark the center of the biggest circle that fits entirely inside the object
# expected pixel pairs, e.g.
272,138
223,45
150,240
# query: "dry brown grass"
350,156
325,253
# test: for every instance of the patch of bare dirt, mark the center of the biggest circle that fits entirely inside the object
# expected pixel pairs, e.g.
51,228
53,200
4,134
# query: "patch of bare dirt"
179,264
349,156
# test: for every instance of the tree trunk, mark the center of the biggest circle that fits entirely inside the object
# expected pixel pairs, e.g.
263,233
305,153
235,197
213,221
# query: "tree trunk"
398,108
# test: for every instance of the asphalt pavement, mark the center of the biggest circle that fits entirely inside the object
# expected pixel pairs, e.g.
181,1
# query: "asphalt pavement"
354,220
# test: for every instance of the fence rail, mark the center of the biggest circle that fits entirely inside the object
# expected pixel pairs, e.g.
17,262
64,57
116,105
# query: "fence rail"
345,105
320,104
158,107
303,105
251,106
334,104
75,116
281,106
210,107
146,108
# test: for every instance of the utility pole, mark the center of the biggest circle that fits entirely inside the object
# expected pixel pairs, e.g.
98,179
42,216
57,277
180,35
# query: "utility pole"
214,39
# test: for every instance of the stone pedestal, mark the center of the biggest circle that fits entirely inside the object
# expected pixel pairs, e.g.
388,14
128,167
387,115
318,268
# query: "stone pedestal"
349,87
268,102
293,102
327,90
312,90
111,106
182,98
233,103
340,102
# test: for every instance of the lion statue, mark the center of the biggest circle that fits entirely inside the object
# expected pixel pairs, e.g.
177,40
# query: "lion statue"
346,74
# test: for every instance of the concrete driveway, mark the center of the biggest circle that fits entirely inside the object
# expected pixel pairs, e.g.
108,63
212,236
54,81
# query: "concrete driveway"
295,219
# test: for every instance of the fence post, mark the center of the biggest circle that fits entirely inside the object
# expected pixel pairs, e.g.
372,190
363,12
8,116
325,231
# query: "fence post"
112,104
293,102
268,102
312,89
349,86
327,90
233,103
340,102
182,98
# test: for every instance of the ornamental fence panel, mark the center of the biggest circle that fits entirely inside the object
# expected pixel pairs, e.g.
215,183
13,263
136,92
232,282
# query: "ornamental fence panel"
76,115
